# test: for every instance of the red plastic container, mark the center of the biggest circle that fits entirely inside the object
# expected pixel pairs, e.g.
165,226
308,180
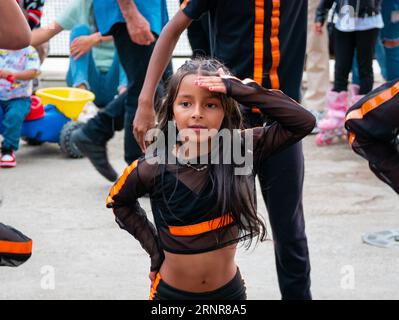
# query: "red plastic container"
36,109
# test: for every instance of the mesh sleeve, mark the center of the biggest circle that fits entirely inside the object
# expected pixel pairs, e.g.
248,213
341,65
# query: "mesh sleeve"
292,121
130,216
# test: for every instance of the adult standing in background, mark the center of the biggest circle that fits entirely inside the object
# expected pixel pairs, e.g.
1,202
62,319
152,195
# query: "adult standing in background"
387,48
390,37
317,65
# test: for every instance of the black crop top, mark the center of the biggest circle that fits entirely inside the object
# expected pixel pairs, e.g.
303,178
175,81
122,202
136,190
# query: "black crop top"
183,198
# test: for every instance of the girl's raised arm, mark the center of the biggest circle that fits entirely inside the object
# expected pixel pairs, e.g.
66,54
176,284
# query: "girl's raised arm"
145,115
292,121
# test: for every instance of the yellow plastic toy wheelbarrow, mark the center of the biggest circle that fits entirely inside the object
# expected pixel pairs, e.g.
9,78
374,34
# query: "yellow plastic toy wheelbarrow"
69,101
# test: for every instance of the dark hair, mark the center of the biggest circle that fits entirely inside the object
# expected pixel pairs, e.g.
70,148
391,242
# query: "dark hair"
234,194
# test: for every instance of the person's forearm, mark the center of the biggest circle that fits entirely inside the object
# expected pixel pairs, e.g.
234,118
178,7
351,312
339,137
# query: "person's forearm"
14,30
272,103
128,8
26,75
160,58
42,35
100,38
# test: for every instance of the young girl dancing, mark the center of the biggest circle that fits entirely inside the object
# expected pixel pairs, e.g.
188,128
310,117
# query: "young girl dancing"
201,207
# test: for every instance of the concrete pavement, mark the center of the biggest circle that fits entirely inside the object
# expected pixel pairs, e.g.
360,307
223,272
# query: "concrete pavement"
80,253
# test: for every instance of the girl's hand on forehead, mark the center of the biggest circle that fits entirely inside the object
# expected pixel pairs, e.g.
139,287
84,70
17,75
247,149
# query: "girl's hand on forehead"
212,83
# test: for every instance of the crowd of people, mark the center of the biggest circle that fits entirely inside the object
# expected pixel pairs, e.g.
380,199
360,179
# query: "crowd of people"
246,75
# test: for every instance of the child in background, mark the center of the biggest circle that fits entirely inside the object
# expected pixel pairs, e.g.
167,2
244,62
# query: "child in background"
17,70
357,25
202,210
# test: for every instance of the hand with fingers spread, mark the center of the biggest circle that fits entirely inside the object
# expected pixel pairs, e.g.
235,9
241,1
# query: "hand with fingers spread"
81,45
212,83
216,83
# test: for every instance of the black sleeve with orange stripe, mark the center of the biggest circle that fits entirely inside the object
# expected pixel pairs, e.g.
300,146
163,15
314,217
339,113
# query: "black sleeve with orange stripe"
15,247
373,125
194,9
291,123
130,216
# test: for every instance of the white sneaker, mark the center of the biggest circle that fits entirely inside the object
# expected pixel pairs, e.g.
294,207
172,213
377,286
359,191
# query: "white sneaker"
89,111
8,160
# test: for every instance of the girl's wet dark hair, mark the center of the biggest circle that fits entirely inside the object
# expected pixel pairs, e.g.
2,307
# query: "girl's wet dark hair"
234,194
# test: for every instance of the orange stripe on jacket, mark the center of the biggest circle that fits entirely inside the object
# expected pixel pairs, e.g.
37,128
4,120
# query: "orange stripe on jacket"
258,40
351,137
202,227
275,45
374,103
184,4
16,247
119,184
154,287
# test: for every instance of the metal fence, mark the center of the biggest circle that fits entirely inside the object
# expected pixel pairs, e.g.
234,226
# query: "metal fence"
59,44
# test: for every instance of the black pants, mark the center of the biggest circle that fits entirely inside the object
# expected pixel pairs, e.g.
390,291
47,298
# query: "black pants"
233,290
345,44
281,176
281,179
119,114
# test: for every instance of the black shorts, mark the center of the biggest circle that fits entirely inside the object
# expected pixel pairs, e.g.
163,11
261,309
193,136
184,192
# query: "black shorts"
233,290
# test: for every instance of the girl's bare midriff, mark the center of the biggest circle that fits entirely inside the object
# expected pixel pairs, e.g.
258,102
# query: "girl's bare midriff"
199,272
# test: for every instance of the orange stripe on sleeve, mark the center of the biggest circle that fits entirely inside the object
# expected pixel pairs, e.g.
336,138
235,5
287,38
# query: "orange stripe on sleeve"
256,110
184,4
119,184
258,40
155,286
202,227
16,247
374,103
275,45
351,137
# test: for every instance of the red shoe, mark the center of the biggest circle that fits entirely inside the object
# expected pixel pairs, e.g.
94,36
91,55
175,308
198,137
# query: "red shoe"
8,160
